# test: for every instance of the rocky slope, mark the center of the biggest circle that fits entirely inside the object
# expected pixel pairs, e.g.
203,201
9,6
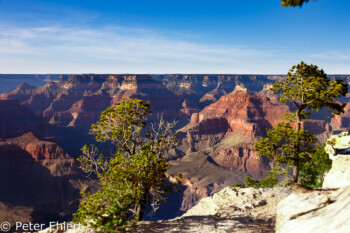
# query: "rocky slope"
16,120
249,210
220,140
341,122
42,182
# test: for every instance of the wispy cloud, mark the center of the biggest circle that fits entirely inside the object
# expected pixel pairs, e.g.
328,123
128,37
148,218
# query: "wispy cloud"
112,49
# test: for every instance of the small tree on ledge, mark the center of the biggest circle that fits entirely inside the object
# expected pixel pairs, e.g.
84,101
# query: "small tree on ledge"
307,88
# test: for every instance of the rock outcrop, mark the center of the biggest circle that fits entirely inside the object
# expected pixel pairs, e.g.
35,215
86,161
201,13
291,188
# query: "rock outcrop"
321,211
230,210
227,129
338,150
241,110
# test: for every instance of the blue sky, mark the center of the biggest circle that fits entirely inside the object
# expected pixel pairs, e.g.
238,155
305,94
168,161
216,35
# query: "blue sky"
135,36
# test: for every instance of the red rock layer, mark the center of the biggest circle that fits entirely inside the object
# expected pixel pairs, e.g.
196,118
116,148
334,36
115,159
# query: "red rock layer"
342,122
38,178
241,111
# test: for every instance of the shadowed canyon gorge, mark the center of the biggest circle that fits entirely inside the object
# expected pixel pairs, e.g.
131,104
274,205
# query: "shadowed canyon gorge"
220,117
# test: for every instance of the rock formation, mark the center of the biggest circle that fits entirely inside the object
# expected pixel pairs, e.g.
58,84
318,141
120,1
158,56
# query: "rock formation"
79,100
42,183
218,130
9,82
230,210
15,120
220,140
227,129
241,110
320,211
338,150
342,122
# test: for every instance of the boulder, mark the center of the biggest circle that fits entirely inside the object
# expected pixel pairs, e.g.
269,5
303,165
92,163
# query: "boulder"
320,211
339,175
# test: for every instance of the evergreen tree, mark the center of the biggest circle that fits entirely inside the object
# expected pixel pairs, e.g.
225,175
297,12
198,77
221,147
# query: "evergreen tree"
134,173
307,88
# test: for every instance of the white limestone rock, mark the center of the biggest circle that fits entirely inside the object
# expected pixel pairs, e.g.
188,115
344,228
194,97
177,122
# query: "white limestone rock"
320,211
339,175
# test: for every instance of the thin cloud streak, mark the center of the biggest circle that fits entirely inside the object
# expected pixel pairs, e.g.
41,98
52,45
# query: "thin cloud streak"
135,50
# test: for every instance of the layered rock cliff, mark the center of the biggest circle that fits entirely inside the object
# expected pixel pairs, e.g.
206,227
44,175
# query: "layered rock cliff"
220,130
79,100
42,182
217,145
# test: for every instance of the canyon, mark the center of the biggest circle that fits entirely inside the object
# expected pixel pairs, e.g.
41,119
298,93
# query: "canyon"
220,117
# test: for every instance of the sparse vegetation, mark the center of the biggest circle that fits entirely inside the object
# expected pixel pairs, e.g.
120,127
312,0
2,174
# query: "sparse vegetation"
268,182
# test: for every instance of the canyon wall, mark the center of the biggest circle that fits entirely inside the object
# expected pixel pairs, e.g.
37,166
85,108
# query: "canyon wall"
220,117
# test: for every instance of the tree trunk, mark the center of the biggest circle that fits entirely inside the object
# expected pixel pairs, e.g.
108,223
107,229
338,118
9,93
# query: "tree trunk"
296,156
295,177
140,207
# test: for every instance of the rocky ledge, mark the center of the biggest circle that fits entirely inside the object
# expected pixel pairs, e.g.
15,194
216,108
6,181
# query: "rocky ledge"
255,210
322,211
230,210
338,149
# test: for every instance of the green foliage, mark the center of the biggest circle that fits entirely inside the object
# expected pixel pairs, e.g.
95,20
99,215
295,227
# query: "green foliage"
286,146
313,171
237,185
268,182
308,88
293,3
133,174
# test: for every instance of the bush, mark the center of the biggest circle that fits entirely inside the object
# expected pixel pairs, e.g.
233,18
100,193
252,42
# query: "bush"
268,182
237,185
313,171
